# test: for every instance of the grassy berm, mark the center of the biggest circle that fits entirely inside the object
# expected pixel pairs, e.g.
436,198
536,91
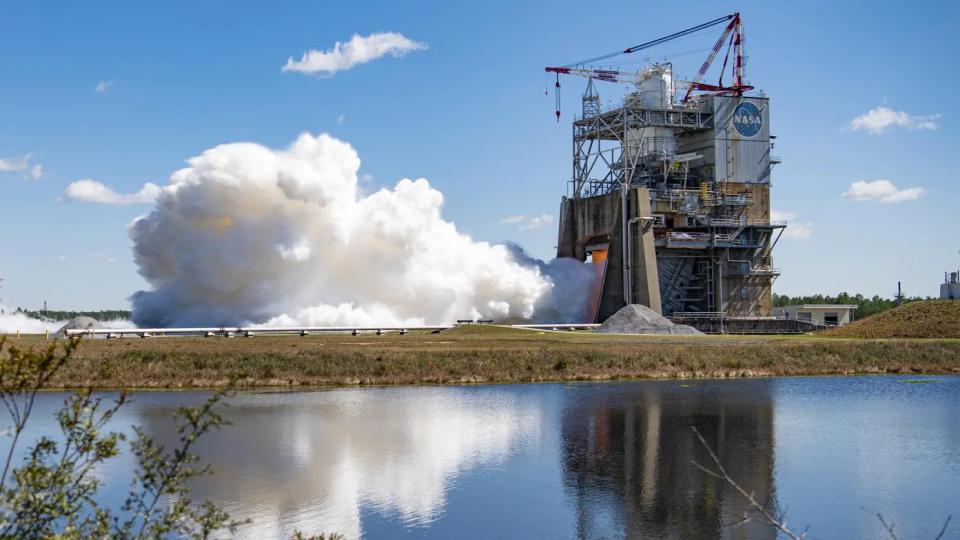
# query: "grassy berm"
477,354
927,319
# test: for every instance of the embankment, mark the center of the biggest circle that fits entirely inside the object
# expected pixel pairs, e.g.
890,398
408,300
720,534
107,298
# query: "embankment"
924,319
478,355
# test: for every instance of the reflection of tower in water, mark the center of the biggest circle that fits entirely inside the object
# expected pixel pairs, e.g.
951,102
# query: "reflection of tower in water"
628,462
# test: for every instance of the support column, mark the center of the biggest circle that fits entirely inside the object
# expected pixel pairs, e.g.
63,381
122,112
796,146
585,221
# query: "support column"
646,280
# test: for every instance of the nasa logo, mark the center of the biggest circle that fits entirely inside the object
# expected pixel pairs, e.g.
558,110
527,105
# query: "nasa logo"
747,119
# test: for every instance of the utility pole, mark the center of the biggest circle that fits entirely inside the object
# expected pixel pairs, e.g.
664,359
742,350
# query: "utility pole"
899,296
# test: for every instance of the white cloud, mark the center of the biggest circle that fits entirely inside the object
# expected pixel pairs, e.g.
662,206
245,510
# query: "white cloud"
23,166
340,119
883,191
799,230
103,86
14,164
796,230
528,224
359,50
95,192
61,258
881,119
537,222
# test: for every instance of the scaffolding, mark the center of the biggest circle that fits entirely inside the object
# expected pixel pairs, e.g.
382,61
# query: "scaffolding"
705,165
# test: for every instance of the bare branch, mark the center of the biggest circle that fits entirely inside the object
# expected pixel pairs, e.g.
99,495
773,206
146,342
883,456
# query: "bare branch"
943,530
888,527
721,473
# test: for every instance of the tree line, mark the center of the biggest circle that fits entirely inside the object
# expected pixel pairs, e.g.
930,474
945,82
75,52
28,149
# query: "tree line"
60,315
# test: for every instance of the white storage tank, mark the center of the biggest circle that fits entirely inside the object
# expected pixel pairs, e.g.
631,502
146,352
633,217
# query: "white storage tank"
654,91
950,289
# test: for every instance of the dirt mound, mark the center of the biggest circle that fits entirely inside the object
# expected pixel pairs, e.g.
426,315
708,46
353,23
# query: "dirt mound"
926,319
638,319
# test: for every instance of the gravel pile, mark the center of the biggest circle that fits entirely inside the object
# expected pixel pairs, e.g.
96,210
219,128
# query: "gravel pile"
638,319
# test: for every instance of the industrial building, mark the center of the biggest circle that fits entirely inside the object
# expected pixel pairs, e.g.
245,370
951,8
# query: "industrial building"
950,288
670,194
819,314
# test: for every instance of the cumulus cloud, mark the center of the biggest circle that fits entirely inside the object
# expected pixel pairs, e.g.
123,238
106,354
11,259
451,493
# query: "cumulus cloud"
95,192
359,50
796,230
537,222
525,223
882,119
103,86
882,190
23,166
250,235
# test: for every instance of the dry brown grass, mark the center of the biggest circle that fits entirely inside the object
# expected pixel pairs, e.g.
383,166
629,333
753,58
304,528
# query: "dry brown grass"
481,354
926,319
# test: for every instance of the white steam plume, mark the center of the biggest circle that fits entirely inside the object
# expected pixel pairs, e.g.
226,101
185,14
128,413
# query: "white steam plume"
13,322
247,234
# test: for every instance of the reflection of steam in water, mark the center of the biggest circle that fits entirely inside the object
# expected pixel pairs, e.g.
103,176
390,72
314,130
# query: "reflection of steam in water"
313,461
627,459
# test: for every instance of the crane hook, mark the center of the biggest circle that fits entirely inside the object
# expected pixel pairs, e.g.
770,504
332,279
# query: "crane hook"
557,89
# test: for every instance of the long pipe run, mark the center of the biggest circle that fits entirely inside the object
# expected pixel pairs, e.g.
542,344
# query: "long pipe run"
302,330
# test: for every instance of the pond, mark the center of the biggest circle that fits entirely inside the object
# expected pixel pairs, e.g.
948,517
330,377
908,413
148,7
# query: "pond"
591,460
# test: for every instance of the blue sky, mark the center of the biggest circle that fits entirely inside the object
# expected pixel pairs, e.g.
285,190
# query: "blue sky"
468,113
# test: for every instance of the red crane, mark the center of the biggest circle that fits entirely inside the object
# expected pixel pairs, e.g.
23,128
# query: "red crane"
732,35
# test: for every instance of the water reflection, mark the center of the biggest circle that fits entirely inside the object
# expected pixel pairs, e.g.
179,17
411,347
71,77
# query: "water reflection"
316,461
627,459
610,460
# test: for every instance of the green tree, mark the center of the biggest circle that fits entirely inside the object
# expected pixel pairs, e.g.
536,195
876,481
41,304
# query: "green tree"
51,493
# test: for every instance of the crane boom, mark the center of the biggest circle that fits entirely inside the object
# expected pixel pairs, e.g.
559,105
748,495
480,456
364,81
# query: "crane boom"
738,87
607,75
733,31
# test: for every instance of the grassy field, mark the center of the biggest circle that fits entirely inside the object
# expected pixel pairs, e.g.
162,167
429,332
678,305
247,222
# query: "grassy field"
926,319
477,354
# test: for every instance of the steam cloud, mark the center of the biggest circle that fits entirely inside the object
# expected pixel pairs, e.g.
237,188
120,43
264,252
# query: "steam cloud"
250,235
13,322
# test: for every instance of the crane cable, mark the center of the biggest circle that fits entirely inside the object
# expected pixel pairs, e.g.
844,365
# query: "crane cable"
640,47
657,41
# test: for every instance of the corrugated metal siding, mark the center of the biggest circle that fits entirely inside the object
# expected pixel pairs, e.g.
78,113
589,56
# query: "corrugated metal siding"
739,158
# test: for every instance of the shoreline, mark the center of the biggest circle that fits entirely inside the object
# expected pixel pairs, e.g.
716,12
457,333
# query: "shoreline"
488,355
255,389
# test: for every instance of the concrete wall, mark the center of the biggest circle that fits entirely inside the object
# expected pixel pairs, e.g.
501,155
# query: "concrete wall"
594,224
816,314
759,211
747,297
